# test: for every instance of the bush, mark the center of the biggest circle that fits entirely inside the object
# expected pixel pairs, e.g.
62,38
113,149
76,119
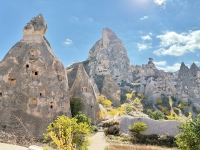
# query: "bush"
189,136
112,130
76,105
128,108
67,134
157,115
82,118
102,100
138,127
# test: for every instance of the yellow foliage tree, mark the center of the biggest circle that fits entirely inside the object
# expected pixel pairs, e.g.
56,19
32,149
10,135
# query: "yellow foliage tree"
104,101
137,100
113,112
120,110
103,114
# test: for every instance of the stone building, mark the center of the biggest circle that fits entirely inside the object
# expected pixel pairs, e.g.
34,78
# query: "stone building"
33,83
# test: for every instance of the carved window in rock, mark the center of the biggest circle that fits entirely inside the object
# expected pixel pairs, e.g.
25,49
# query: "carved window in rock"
1,94
61,95
33,101
27,66
12,82
59,77
35,75
85,89
42,93
34,53
51,105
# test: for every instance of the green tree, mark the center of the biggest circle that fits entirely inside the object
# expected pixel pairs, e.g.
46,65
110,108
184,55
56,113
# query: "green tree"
157,115
76,105
189,137
67,134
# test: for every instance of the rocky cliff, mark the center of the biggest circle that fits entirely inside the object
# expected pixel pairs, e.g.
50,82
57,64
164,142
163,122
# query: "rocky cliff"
109,57
188,84
33,83
153,82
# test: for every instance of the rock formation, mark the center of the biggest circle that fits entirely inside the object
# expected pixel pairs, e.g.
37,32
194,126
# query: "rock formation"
33,83
109,57
153,82
84,88
111,90
188,84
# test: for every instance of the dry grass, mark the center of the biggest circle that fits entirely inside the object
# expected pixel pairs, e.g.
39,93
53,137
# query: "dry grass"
135,147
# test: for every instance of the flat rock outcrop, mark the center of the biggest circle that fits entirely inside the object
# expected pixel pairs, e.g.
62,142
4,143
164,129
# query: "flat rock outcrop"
85,88
33,83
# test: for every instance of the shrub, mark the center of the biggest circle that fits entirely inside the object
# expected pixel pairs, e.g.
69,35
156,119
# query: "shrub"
76,105
102,100
128,108
138,127
189,136
137,100
157,115
112,130
67,134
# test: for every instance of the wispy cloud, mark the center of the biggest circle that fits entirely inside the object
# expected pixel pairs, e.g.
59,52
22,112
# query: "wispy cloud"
143,46
173,68
75,18
90,20
160,63
146,37
143,18
176,44
68,42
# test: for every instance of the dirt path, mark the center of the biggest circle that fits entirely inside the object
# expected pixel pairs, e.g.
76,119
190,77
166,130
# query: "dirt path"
4,146
98,141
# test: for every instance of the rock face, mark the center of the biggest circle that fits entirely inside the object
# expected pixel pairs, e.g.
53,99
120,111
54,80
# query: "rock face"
153,82
84,88
109,57
188,84
111,90
33,83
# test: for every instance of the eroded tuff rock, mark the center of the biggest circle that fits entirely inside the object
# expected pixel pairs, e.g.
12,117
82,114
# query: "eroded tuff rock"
153,82
33,83
109,57
188,84
111,90
85,88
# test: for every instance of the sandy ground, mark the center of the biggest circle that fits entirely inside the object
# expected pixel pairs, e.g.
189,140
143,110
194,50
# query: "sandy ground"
4,146
98,141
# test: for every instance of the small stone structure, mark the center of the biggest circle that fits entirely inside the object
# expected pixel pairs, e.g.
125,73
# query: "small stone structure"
33,83
168,127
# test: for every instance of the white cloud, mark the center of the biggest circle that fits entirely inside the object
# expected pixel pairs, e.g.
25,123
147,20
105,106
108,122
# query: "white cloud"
150,33
68,42
75,18
173,68
160,63
147,37
143,18
176,44
160,2
90,20
143,46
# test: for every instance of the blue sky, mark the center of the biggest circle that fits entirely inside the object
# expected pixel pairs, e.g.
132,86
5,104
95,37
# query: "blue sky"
166,30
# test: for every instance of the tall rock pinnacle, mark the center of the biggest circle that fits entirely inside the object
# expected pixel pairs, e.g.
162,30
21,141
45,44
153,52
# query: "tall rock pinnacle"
33,83
109,57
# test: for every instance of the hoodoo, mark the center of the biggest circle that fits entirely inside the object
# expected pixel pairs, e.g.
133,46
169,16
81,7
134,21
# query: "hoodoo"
33,83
